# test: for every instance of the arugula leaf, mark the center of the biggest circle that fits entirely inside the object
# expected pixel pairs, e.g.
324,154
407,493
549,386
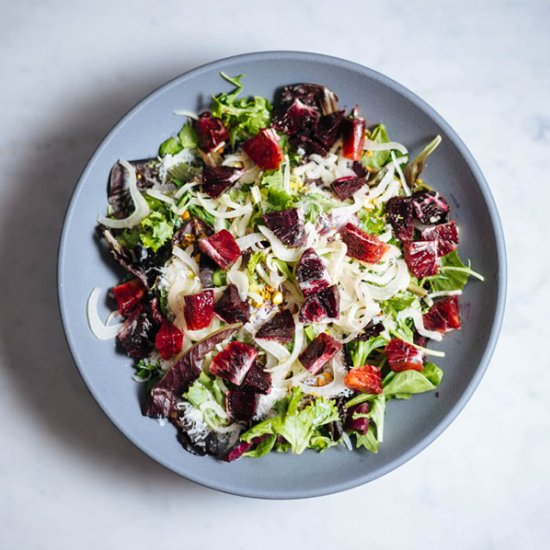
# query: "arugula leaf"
373,161
360,350
242,117
452,275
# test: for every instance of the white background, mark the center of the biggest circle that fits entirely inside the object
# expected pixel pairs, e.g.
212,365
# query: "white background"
68,71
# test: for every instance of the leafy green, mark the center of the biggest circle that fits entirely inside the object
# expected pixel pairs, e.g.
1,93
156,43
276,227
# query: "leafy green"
277,196
262,448
367,440
199,212
219,277
375,160
373,221
149,372
415,168
315,204
433,373
255,259
402,300
298,423
171,146
372,439
186,139
243,117
206,395
452,275
156,231
360,350
408,382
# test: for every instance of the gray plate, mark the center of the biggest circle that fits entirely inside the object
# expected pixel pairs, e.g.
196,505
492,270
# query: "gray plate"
410,425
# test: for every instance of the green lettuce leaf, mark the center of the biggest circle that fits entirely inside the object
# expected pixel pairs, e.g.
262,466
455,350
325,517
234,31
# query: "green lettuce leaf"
243,117
277,196
206,395
171,146
373,221
297,423
403,384
186,139
375,434
262,448
367,440
156,231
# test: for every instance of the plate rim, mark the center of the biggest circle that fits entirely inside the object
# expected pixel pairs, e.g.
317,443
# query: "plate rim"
495,220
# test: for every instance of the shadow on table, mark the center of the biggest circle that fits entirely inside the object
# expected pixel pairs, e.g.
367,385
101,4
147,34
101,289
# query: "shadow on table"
39,364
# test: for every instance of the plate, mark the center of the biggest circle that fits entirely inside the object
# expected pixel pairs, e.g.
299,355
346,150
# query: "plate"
410,425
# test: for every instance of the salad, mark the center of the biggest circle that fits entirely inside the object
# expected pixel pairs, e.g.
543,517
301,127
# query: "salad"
285,267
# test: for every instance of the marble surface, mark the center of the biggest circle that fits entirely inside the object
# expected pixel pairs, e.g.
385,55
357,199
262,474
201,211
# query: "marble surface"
69,70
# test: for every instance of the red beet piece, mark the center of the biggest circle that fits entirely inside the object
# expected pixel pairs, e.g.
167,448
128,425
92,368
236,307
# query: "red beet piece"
198,309
280,327
361,245
360,425
168,340
403,356
241,404
443,316
310,273
421,258
211,132
353,135
399,213
264,149
222,248
217,179
230,308
446,236
325,304
167,391
233,362
429,207
319,352
288,225
346,187
257,380
365,379
243,447
297,117
128,295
